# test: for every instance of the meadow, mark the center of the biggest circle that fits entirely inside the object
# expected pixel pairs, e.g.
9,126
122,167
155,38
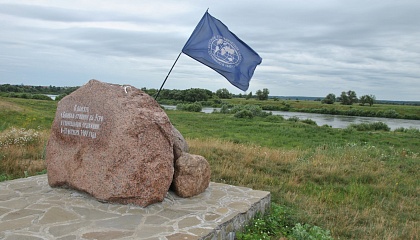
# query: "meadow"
357,184
376,110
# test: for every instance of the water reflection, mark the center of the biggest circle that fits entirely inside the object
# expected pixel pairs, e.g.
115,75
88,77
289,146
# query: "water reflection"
336,121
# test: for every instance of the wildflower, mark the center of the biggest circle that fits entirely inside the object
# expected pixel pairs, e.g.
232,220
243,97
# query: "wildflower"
19,137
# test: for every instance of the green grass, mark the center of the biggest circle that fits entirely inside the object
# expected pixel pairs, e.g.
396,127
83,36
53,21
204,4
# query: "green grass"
357,184
282,134
384,110
26,113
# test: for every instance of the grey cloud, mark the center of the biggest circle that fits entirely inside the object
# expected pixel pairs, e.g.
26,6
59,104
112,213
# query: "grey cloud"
62,14
312,47
121,43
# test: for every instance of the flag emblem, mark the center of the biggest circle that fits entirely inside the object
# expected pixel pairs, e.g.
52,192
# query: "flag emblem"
213,45
224,52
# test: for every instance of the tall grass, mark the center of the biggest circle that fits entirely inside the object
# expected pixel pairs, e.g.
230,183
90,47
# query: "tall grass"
356,191
21,152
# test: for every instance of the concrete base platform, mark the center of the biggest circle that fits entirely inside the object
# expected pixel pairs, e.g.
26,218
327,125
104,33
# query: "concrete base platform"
30,209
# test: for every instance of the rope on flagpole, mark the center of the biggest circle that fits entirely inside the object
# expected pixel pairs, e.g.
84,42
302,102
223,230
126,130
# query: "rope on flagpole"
157,94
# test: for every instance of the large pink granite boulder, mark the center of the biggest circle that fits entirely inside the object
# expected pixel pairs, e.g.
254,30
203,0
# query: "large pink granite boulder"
192,175
114,142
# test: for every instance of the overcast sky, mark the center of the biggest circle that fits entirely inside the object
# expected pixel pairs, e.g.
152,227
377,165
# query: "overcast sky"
309,48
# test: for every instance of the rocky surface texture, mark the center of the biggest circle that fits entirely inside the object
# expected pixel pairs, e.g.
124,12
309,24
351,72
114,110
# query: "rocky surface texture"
113,142
180,145
192,175
30,209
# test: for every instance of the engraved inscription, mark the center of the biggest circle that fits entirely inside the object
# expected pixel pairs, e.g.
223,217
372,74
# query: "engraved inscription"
80,122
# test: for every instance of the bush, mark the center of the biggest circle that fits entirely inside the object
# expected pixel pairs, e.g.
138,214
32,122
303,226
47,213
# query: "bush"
272,107
255,110
391,114
375,126
308,232
309,121
276,223
244,114
225,109
12,95
41,97
274,118
411,116
59,97
293,119
286,107
380,126
407,130
189,107
25,95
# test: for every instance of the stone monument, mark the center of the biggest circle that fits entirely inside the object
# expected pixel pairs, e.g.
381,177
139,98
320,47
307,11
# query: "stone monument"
117,144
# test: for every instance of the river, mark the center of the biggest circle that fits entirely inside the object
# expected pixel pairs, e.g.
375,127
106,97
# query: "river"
52,96
336,121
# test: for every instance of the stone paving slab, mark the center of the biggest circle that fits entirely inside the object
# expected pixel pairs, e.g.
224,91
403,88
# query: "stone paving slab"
31,210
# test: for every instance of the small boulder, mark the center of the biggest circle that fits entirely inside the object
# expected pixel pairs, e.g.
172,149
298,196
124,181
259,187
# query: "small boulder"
192,175
180,145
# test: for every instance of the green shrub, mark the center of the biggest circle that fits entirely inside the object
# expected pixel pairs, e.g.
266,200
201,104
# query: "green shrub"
410,116
189,107
309,121
274,118
391,114
308,232
286,107
380,126
375,126
244,114
278,222
400,129
225,109
26,95
272,107
59,97
407,130
5,177
293,119
12,95
41,97
255,110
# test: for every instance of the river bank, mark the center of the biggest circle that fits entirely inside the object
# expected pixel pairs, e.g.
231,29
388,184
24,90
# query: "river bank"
335,121
376,110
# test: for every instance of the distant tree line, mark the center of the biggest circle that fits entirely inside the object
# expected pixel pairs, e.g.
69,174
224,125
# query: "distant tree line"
34,92
202,95
7,88
176,96
349,98
193,99
25,96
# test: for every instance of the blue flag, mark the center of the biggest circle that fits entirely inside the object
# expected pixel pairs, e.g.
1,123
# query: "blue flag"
214,45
